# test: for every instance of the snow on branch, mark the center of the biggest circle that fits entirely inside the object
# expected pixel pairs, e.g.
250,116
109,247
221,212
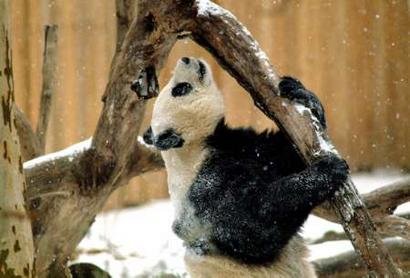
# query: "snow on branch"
69,153
44,173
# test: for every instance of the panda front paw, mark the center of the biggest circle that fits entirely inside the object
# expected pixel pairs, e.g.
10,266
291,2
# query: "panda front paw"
335,168
289,87
293,89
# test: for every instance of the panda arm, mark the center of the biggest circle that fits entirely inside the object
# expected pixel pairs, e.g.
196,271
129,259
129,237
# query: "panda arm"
301,192
253,220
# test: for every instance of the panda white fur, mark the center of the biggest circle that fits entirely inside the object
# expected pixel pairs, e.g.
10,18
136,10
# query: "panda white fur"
240,197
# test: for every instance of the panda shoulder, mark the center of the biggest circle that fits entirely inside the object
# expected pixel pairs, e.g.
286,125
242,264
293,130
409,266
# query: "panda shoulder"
228,138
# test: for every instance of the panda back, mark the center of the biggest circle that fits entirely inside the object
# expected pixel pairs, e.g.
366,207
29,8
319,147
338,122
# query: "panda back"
226,193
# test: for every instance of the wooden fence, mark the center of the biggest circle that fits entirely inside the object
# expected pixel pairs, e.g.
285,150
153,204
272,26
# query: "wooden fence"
354,54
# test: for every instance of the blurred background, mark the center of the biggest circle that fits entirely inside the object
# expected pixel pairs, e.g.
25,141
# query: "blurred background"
355,55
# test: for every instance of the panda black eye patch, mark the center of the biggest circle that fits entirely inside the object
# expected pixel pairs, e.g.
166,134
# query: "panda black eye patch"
181,89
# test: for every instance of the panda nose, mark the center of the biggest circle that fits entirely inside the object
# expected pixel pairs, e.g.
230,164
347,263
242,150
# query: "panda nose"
185,60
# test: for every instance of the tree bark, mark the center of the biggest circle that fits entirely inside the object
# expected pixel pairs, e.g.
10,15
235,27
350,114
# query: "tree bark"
349,264
29,144
380,202
16,244
49,73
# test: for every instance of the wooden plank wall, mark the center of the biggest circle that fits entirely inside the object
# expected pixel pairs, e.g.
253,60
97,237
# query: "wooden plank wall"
354,54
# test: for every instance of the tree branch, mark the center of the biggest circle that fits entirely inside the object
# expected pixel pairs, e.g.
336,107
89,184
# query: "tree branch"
349,265
380,202
387,198
46,175
49,73
394,225
389,226
29,144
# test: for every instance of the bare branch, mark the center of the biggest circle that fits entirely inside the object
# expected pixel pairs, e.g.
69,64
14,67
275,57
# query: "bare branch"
125,13
349,265
394,226
380,202
389,226
49,73
387,198
46,175
29,145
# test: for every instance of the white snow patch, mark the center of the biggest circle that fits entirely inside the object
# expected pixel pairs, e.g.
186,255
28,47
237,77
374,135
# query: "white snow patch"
315,228
135,242
329,249
69,152
302,109
206,7
325,145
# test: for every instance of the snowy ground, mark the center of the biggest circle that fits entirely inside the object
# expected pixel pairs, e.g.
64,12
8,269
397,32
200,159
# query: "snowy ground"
138,242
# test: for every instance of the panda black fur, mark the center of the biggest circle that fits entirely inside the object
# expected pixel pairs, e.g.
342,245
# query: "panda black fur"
240,196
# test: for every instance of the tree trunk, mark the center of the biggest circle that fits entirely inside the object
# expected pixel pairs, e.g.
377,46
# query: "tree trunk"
16,244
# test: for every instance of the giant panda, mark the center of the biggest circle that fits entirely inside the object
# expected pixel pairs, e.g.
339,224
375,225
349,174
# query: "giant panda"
240,197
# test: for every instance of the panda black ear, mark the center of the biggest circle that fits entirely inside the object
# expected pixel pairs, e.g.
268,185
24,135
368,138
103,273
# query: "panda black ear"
148,136
168,139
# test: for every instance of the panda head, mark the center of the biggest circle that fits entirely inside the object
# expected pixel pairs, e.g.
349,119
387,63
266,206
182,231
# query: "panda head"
189,107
